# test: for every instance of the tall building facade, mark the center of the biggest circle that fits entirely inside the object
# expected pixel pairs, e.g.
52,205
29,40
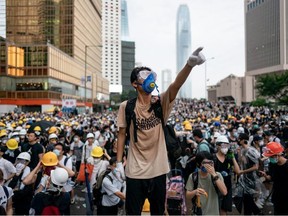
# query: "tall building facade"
128,49
111,38
183,46
3,18
266,34
52,54
124,21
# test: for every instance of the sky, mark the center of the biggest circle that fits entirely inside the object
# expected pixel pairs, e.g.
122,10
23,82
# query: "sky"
217,25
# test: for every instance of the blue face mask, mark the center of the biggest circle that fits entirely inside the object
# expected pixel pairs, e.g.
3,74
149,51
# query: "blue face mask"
149,84
203,169
273,160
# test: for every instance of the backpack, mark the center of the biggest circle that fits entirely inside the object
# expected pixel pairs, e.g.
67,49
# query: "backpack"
172,143
97,193
52,207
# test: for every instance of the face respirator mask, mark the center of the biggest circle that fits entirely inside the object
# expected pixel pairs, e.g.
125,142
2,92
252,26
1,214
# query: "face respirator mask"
149,83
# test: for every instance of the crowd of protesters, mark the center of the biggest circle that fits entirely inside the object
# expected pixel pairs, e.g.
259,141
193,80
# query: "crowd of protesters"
245,148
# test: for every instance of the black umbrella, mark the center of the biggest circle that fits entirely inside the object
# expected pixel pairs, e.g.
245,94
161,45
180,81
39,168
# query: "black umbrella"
43,124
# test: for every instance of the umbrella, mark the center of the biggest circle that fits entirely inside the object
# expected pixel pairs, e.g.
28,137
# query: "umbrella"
43,124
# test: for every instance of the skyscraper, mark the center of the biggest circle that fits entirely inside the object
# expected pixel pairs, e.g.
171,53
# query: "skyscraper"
266,32
128,49
111,37
183,46
166,79
124,21
44,58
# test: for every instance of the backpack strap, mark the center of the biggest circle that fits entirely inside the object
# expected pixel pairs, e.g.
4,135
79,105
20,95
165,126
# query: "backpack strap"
66,160
6,191
195,184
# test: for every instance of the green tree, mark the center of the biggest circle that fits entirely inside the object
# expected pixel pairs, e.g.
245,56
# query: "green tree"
274,86
259,102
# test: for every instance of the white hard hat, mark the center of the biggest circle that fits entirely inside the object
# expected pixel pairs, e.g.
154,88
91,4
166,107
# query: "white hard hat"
222,139
240,130
22,132
18,128
24,155
90,135
59,176
52,136
14,134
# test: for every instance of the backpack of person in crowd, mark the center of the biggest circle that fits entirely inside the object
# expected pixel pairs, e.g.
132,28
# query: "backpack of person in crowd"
97,194
51,207
172,142
175,193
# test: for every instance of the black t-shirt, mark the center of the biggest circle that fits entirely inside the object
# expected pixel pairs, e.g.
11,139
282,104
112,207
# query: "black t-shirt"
225,169
34,150
11,156
279,175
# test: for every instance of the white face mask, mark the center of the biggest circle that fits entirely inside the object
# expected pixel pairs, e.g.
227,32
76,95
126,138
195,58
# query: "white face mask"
57,152
97,160
261,143
76,139
224,150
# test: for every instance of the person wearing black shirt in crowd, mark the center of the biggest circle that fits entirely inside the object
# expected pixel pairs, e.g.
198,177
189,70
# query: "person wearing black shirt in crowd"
278,173
225,163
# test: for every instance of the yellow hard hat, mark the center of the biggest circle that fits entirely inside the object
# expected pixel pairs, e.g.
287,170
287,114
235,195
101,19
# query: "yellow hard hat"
49,159
13,125
2,124
20,122
3,133
52,130
97,152
188,127
12,144
37,128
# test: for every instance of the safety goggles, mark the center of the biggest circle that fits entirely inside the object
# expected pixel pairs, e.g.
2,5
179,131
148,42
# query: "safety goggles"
207,162
142,75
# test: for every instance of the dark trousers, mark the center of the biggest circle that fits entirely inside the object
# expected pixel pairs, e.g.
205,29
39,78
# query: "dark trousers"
249,205
139,189
107,210
280,208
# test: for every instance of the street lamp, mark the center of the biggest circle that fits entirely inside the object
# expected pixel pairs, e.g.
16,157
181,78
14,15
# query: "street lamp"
86,49
206,75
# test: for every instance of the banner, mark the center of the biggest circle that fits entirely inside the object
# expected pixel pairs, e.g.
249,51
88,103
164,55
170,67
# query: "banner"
68,105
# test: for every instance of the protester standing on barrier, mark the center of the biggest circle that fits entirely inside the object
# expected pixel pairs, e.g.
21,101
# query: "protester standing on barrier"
278,173
147,162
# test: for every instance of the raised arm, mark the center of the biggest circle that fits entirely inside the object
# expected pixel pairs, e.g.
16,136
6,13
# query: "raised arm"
195,59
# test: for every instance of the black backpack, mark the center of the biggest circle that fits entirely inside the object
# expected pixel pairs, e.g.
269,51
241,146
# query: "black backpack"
172,142
97,194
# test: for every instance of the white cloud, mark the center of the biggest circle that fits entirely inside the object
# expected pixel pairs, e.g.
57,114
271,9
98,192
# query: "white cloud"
216,25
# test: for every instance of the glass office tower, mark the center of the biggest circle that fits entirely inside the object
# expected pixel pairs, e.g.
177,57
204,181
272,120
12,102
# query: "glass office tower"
183,46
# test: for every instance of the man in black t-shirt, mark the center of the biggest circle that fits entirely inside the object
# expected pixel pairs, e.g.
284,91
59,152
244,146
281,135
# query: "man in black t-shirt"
225,163
34,148
278,173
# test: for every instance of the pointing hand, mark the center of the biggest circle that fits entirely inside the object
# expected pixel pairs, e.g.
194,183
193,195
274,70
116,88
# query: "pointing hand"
197,58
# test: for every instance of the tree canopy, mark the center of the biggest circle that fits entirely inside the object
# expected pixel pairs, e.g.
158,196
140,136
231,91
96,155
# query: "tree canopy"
274,86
